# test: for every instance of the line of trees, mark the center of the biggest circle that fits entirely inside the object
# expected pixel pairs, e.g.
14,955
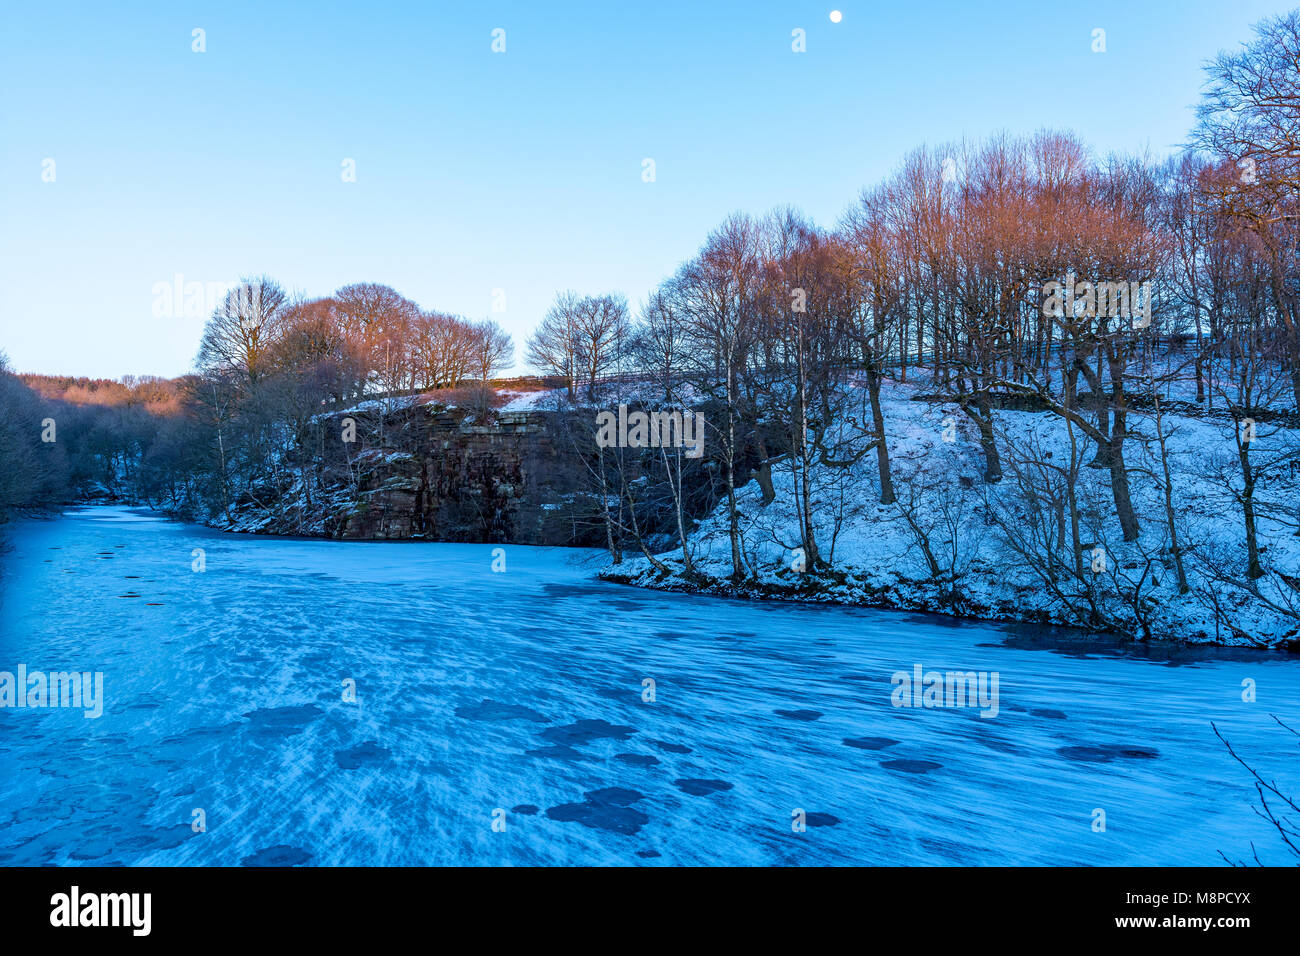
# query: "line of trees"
61,436
364,338
251,419
1181,274
28,479
271,366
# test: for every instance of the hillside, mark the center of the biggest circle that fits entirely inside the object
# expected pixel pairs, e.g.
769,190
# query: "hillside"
990,541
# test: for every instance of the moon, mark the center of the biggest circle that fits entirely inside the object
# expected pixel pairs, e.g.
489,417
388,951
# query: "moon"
836,16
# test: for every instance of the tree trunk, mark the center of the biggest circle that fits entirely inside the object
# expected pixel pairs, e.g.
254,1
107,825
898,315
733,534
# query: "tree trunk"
733,522
1128,521
1183,586
1118,432
878,425
1253,568
982,414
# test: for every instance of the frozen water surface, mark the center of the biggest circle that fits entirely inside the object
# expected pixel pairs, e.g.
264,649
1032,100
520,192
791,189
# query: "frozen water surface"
522,691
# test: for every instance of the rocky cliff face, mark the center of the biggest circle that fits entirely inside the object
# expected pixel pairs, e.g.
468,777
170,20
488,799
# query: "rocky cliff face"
428,472
457,480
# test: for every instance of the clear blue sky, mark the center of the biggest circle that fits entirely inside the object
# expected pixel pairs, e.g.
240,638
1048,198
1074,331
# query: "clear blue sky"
519,171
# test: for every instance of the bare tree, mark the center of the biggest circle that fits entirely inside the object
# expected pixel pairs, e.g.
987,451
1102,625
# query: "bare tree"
553,348
714,294
244,328
600,334
491,350
1250,118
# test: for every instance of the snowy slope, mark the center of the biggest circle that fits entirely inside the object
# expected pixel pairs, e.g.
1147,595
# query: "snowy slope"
875,559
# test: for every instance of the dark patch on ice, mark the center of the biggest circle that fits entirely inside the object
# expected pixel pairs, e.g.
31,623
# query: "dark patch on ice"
911,766
1083,645
607,596
1001,746
671,747
638,760
955,852
607,809
279,855
92,850
821,820
1048,712
366,753
799,714
526,809
621,695
701,786
42,811
558,752
607,592
493,710
648,854
275,721
157,838
1106,753
585,731
614,796
869,743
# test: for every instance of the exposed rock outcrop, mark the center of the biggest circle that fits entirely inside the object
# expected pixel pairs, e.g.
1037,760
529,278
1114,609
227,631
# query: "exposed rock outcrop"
431,472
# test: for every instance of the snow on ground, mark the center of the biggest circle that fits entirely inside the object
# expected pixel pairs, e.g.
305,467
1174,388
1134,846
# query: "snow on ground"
527,401
876,559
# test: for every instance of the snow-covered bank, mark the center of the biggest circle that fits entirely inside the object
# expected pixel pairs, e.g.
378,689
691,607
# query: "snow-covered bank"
983,535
